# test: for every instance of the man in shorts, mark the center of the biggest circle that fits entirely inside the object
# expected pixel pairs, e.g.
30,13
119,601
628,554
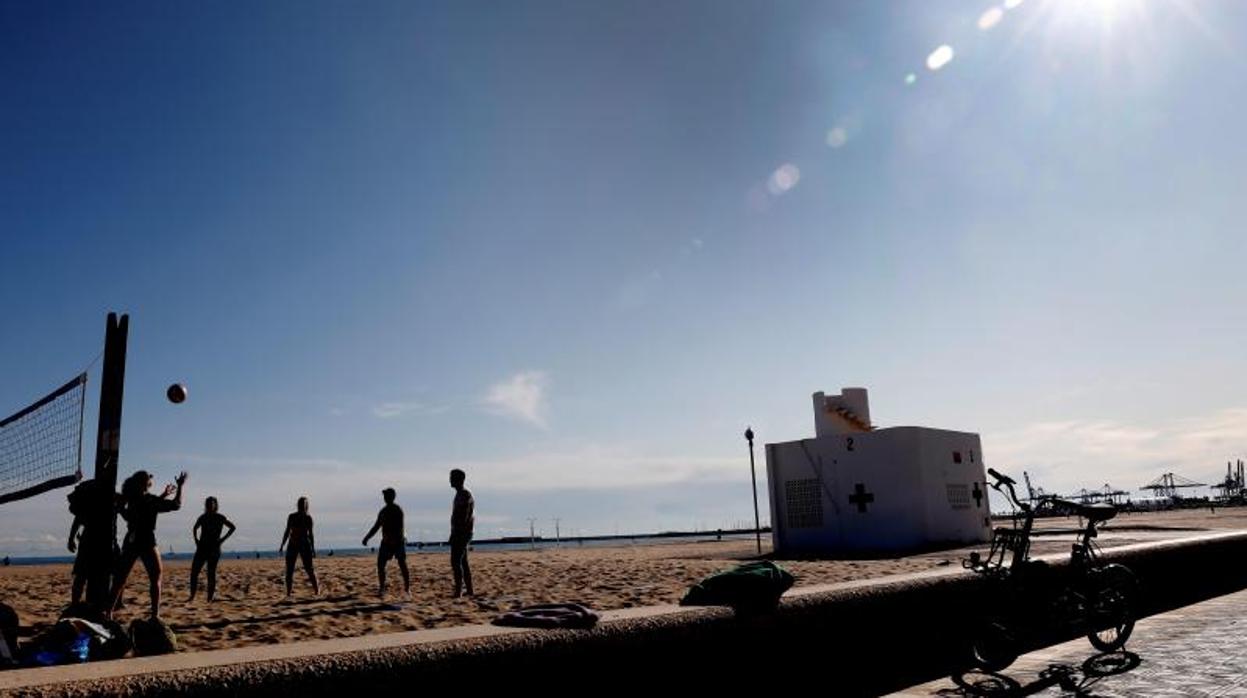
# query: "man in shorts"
393,540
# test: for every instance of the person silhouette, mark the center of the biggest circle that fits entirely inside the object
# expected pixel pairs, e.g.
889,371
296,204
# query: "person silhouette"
82,538
208,540
462,519
302,545
140,509
393,540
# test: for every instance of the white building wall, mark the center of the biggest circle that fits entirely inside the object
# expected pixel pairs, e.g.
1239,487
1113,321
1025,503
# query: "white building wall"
905,501
957,507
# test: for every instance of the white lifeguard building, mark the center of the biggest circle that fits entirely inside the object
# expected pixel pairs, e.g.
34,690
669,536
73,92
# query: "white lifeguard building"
857,489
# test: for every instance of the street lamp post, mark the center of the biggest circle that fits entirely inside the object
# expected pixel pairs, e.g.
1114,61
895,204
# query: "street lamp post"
753,472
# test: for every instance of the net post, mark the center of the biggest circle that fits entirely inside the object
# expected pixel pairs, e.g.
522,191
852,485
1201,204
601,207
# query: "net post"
107,448
82,411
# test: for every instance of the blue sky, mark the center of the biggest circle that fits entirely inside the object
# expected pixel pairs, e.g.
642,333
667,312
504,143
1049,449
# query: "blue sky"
575,248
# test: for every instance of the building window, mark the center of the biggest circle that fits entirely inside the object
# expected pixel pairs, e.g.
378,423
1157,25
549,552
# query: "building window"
804,503
956,456
959,496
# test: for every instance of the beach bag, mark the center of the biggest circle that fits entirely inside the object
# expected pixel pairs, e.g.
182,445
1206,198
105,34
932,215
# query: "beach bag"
107,638
551,615
150,636
114,643
66,642
114,648
752,587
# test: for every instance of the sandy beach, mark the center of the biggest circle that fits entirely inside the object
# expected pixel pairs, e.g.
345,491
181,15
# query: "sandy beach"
250,607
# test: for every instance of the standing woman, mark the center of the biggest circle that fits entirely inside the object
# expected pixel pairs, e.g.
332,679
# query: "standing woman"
208,540
302,545
140,509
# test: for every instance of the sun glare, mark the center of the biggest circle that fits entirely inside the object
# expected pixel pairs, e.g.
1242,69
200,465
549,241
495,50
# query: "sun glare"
1108,14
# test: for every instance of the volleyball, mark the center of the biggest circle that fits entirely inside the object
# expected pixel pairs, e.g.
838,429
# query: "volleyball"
176,393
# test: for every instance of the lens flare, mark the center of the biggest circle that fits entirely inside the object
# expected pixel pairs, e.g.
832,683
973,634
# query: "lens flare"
940,57
783,179
991,18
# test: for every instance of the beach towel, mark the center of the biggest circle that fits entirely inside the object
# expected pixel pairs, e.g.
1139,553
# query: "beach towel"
554,615
151,636
752,587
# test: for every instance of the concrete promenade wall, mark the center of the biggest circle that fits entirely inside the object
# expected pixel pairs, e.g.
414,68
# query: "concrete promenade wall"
859,638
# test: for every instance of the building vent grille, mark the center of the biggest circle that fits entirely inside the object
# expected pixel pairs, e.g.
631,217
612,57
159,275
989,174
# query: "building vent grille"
804,500
959,496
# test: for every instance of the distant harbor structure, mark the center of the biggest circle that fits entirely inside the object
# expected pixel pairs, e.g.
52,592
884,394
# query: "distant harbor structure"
854,488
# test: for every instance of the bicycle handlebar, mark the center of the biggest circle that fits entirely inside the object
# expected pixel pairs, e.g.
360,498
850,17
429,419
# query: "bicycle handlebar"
1009,483
1004,479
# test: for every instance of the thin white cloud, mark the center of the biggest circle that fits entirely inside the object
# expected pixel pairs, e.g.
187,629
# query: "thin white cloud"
258,492
521,397
268,463
1068,455
390,410
596,466
586,466
344,493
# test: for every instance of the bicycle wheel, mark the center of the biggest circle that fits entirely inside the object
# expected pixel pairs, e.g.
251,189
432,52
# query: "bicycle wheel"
993,646
1111,607
986,683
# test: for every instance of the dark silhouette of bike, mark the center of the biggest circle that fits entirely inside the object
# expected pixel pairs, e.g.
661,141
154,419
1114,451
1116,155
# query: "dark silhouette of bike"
1074,680
1028,598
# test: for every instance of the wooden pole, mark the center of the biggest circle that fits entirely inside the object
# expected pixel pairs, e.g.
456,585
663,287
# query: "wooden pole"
102,523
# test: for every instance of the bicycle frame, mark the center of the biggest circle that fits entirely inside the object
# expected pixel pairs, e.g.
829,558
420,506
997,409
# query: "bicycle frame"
1026,596
1014,542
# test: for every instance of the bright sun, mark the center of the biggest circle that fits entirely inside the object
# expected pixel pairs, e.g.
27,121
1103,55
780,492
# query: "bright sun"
1107,13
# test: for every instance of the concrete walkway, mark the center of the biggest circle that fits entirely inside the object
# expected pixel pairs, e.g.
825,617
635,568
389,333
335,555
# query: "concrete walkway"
1199,650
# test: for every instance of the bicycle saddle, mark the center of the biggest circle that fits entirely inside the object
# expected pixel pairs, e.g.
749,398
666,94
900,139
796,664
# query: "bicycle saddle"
1094,512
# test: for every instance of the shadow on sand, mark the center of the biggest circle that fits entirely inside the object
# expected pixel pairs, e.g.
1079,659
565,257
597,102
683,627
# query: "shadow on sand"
1075,681
351,610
